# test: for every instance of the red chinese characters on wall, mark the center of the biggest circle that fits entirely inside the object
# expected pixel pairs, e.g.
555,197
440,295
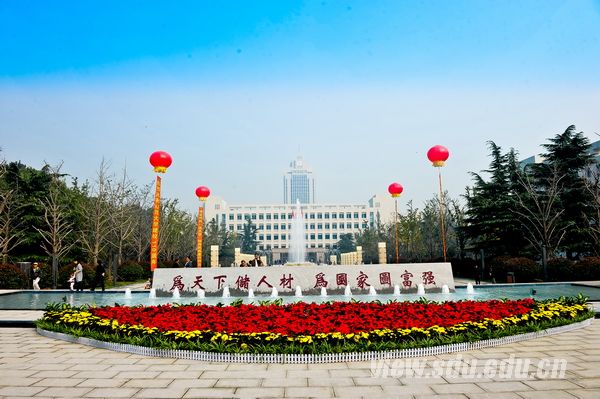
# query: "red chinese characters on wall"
320,280
242,282
361,280
263,280
341,279
286,282
406,279
177,283
197,283
428,278
220,280
385,278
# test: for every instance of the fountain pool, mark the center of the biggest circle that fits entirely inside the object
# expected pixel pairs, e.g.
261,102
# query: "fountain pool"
37,300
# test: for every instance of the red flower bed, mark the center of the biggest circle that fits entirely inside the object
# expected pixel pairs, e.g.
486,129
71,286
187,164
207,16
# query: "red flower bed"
309,318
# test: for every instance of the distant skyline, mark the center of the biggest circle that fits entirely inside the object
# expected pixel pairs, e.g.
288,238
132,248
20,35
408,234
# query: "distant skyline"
236,90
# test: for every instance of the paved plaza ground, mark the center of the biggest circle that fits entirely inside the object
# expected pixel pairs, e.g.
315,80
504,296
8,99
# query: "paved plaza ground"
35,366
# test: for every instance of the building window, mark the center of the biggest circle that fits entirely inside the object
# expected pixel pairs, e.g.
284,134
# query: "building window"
231,216
356,225
230,227
364,215
320,246
319,216
261,247
341,215
365,225
268,237
334,236
239,227
260,227
268,227
289,216
334,226
239,216
320,236
276,237
283,216
327,236
261,237
355,215
348,215
268,246
246,216
326,226
276,216
348,225
254,216
320,226
261,216
282,226
268,216
312,215
275,227
327,215
312,236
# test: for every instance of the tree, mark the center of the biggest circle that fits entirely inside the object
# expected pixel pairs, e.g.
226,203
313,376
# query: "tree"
58,225
346,243
568,155
593,218
249,241
11,222
122,196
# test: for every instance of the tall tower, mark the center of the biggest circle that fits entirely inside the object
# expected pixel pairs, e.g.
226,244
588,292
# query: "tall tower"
298,183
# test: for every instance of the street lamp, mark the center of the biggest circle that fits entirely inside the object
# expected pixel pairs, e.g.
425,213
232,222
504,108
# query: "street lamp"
395,189
438,155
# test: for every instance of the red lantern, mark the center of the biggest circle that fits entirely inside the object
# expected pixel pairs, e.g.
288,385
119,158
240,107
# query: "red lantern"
438,154
161,161
395,189
203,193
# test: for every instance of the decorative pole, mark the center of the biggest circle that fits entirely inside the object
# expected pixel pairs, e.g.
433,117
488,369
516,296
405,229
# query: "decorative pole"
395,189
202,193
161,161
438,155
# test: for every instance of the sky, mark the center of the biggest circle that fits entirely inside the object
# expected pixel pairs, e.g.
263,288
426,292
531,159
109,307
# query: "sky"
235,90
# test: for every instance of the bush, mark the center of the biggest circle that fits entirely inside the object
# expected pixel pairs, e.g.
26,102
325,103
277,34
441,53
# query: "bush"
586,269
525,269
11,277
560,269
132,271
64,272
463,267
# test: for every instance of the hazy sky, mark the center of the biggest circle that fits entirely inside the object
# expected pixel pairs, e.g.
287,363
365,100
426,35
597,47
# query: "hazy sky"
235,90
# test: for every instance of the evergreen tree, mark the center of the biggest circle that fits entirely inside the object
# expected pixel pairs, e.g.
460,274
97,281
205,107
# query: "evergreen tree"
568,155
249,241
346,243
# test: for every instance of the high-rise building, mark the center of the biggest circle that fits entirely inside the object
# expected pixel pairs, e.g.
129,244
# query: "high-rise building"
298,183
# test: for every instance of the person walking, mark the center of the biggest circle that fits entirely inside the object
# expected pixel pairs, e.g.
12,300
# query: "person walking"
188,262
37,275
99,277
78,276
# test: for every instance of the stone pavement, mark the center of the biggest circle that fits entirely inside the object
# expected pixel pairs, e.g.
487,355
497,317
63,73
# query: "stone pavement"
34,366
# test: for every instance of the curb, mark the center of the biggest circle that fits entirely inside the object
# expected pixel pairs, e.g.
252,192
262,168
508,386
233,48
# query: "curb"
311,358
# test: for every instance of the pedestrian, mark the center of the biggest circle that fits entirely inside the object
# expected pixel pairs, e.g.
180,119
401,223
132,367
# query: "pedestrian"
71,282
188,262
99,277
177,263
256,261
37,275
477,274
78,276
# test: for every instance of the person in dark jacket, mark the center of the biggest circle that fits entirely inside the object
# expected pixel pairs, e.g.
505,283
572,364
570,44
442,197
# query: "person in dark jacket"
99,278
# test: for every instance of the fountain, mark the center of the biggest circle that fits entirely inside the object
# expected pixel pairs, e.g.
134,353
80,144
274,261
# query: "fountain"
298,292
226,292
470,289
347,291
323,291
420,289
152,294
297,248
201,293
445,289
274,293
372,290
176,293
128,293
396,290
250,293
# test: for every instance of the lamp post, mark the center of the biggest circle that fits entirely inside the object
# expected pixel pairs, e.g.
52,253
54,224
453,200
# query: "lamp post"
160,160
438,155
395,189
202,193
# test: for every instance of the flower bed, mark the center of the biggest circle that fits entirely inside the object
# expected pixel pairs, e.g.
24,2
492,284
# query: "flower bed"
313,328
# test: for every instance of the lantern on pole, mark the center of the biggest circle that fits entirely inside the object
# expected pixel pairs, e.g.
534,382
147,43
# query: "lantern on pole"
395,189
160,160
438,155
202,193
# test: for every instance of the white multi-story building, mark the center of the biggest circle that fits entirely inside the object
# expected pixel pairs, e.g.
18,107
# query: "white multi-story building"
324,223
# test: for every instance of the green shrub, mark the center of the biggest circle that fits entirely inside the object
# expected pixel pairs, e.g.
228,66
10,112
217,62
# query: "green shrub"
586,269
560,269
525,269
463,267
11,277
132,271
